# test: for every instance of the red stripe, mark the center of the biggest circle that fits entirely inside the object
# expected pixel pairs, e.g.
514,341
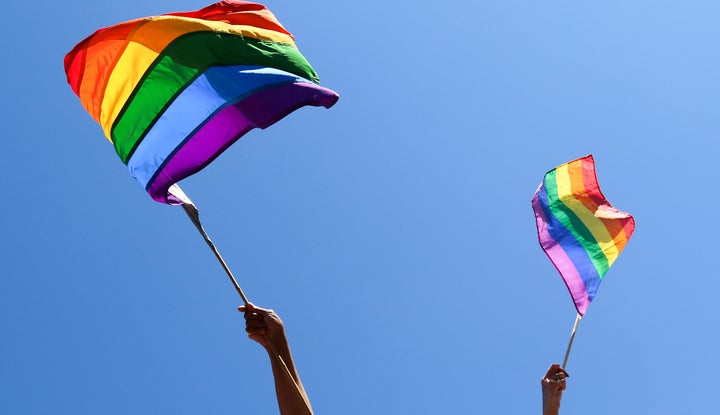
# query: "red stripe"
619,228
92,61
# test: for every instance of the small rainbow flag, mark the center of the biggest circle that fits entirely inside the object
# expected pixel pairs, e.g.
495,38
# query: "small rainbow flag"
578,229
173,91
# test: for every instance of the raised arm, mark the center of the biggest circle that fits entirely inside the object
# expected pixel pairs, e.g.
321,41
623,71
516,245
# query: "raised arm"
553,385
266,328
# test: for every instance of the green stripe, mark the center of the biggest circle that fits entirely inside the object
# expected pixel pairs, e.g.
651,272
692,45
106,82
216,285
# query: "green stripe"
575,225
180,63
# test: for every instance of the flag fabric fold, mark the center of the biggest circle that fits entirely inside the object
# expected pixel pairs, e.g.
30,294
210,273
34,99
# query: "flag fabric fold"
579,230
172,92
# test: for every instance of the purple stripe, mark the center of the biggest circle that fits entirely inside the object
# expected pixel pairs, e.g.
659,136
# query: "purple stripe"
566,254
575,251
260,110
209,93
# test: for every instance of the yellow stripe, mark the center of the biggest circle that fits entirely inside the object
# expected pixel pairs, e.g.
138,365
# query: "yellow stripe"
101,53
595,226
146,43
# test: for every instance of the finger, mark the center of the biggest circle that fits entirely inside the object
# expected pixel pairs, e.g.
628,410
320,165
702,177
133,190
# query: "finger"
252,308
245,307
557,380
555,374
255,330
560,373
260,310
253,314
552,370
256,324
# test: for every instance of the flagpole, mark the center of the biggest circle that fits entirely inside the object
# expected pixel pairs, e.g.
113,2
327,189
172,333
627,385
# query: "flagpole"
572,337
194,215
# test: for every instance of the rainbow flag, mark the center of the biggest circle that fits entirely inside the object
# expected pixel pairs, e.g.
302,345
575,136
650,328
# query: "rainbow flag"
172,92
578,229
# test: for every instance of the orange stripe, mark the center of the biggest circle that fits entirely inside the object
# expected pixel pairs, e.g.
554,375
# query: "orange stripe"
102,51
148,41
105,47
613,219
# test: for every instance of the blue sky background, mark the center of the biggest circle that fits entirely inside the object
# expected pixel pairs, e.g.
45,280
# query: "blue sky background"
393,232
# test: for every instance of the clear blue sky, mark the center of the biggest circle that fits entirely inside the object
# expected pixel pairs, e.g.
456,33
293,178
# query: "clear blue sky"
393,232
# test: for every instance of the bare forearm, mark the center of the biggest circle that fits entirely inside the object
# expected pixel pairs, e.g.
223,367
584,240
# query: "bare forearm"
291,396
266,328
551,406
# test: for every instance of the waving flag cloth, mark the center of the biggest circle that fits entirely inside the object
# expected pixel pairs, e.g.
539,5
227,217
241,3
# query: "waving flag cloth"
579,230
172,92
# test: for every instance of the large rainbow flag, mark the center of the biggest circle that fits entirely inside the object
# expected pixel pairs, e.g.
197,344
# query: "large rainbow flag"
172,92
578,229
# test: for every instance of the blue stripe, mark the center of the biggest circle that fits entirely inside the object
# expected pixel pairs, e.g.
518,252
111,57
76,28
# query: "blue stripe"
570,245
217,88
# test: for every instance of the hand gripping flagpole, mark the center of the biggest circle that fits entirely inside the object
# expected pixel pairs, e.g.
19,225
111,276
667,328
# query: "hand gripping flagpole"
572,337
194,214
